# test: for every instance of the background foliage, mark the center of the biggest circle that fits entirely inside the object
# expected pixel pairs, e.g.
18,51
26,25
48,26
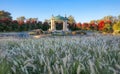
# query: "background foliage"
106,24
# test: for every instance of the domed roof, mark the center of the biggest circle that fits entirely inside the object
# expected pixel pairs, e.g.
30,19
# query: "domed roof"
60,18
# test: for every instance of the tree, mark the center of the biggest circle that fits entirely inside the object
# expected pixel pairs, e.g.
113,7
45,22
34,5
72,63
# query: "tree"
71,20
21,20
115,19
39,25
108,28
32,23
72,27
79,26
93,26
45,26
15,26
72,23
101,25
5,15
85,26
5,21
116,27
32,20
110,18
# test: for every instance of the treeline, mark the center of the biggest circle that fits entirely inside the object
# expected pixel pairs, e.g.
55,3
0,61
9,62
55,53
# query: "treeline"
106,24
16,26
20,24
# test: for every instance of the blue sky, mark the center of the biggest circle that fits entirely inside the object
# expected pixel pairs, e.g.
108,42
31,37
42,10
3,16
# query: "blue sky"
82,10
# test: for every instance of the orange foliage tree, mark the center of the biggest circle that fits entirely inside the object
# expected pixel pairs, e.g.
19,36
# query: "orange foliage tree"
79,26
85,26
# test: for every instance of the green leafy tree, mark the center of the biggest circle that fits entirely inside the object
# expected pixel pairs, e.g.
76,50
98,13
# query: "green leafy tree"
39,25
108,28
5,15
15,26
72,23
32,23
45,26
71,19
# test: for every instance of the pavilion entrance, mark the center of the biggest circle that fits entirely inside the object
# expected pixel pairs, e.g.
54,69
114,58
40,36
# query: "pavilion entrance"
59,23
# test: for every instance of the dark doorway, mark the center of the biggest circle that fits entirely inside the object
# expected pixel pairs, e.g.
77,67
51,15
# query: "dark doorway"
59,25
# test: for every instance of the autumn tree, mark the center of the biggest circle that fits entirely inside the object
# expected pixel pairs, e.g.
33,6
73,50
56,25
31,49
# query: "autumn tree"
101,25
85,26
79,26
21,20
108,28
116,27
93,25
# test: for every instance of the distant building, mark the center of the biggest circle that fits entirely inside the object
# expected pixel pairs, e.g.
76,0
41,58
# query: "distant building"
56,19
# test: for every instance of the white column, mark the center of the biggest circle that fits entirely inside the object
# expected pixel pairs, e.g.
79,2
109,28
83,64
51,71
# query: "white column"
53,25
65,25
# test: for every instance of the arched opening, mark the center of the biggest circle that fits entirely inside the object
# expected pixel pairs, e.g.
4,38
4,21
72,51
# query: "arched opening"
59,25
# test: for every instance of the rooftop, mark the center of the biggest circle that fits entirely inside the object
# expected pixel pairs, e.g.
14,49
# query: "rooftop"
59,18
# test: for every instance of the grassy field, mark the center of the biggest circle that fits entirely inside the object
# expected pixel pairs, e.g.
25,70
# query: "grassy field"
96,54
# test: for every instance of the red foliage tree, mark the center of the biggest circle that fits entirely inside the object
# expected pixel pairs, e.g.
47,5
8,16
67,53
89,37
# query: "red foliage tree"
101,25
